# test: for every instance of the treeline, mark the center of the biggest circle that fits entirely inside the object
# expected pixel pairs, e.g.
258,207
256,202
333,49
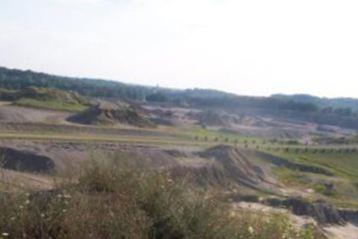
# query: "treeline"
18,79
302,107
346,106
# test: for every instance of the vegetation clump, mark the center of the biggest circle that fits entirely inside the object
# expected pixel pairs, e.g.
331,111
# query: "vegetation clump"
111,202
47,98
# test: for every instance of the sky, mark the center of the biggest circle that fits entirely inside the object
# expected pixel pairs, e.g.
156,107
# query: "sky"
255,47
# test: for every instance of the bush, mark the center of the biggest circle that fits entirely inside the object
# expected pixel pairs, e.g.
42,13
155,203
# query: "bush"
114,202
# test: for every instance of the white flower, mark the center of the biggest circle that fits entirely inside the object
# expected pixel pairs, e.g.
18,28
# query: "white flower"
251,230
27,202
5,234
67,196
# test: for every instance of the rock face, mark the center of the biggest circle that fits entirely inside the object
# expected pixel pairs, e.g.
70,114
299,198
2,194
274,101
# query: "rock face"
109,114
321,211
349,215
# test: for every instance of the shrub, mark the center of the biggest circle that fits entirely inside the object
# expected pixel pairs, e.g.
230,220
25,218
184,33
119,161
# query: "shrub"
114,202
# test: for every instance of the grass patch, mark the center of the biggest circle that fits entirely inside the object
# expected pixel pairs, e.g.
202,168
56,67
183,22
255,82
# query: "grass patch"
341,189
200,134
341,164
51,105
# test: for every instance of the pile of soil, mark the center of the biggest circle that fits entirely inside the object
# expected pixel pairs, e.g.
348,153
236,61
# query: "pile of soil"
226,165
213,118
110,114
235,165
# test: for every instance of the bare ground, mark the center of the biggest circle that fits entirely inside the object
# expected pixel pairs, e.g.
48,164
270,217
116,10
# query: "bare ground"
17,114
348,231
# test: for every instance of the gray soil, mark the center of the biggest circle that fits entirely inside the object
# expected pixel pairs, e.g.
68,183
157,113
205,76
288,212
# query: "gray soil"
25,161
17,114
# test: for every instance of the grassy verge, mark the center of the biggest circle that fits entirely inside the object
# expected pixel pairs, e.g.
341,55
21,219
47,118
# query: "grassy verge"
340,189
111,201
51,105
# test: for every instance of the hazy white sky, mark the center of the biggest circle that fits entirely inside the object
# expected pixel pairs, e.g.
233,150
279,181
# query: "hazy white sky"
252,47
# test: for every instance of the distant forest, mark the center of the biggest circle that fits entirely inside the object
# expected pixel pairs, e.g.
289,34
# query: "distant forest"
341,111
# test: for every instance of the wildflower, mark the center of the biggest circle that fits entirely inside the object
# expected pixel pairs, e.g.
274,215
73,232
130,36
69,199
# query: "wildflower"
232,214
21,207
67,196
251,230
5,234
42,215
27,202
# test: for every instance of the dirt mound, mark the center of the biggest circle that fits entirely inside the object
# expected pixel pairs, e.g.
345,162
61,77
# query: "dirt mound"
235,165
225,165
213,118
25,161
109,114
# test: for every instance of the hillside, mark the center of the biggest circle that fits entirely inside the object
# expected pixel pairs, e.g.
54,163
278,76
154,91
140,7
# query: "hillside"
18,79
14,79
46,98
111,114
241,153
329,104
337,112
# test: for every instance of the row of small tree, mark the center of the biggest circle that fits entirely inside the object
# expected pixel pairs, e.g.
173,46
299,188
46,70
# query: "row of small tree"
246,141
263,146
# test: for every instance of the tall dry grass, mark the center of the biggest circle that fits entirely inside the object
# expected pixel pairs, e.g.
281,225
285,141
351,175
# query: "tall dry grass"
109,201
